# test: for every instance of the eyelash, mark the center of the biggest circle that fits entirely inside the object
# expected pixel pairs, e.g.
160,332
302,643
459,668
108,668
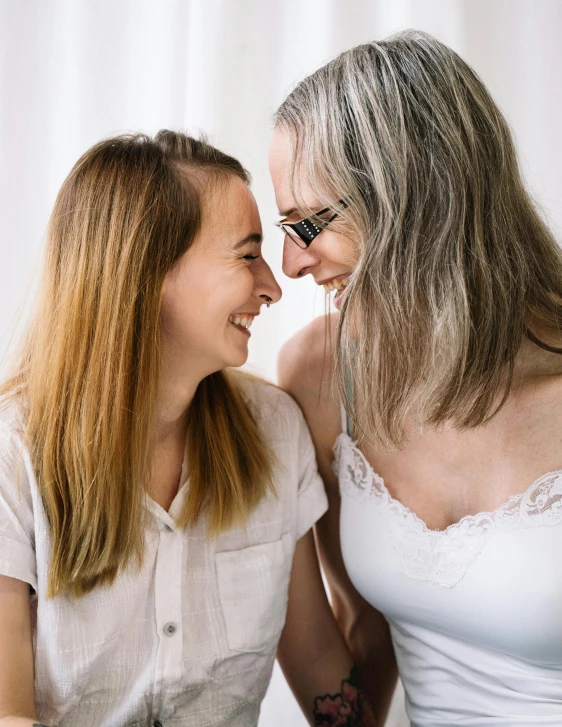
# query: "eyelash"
250,257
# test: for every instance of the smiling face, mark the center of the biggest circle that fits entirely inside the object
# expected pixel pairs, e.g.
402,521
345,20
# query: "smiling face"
213,293
331,257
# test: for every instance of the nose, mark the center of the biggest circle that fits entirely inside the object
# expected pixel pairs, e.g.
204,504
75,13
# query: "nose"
265,286
297,261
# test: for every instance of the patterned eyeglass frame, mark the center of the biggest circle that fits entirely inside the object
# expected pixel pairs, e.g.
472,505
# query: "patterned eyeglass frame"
305,229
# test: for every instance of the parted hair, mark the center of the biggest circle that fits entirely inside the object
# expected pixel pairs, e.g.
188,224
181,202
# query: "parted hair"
455,264
88,372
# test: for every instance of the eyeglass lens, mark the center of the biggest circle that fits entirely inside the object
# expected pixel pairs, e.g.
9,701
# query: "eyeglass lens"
304,231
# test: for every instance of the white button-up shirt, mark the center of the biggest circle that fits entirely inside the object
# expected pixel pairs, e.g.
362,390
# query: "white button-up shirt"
189,640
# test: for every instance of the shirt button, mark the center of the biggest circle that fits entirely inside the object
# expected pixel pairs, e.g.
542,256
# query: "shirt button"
170,629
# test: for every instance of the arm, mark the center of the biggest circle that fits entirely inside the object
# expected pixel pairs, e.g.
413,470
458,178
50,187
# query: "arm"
305,371
365,629
313,654
17,707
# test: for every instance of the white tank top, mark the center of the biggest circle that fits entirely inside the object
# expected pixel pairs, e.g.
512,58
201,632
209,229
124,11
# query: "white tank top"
475,611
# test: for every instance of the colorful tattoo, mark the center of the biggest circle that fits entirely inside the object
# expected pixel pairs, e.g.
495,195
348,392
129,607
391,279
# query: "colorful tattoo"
349,708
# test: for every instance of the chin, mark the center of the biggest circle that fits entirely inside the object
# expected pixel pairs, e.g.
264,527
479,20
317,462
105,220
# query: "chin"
236,360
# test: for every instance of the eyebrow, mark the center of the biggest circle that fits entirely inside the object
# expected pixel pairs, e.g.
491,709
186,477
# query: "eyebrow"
252,237
286,213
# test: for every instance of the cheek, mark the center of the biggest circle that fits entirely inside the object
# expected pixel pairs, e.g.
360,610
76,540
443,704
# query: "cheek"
179,308
234,291
339,249
170,311
195,304
246,284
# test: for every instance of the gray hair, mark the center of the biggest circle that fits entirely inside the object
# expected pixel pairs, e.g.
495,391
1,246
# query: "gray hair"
455,264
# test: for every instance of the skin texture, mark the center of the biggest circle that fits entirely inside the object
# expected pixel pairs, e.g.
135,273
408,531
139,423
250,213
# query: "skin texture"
218,276
305,371
441,474
347,708
330,255
16,656
312,651
215,278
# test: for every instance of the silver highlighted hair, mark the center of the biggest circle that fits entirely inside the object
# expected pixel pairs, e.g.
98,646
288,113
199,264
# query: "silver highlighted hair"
455,264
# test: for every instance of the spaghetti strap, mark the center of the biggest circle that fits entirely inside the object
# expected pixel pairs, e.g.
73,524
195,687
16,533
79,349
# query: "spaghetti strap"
343,414
347,424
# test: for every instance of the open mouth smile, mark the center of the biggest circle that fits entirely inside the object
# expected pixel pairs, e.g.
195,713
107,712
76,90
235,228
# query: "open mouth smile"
338,284
242,322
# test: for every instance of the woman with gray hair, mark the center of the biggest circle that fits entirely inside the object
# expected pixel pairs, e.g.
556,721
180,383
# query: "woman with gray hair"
434,395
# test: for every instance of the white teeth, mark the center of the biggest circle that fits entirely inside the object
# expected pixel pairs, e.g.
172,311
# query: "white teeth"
336,284
243,321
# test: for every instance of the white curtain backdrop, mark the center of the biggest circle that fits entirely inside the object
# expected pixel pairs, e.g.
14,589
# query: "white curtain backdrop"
74,71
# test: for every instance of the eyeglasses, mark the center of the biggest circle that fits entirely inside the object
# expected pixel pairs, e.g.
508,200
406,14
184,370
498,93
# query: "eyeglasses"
304,231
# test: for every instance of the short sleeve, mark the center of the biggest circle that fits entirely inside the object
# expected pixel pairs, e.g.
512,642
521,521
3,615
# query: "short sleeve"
312,501
17,552
284,427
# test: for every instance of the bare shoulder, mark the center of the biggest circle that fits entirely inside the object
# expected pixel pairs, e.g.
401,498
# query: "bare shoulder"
305,370
305,361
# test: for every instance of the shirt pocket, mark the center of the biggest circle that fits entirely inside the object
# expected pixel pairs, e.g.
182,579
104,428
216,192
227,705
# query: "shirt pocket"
253,587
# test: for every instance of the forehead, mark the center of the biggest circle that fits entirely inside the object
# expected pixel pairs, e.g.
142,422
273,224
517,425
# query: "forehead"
229,211
280,151
280,158
280,167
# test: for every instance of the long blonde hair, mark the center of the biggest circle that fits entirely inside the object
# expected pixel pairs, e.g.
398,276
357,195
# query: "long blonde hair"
455,264
88,373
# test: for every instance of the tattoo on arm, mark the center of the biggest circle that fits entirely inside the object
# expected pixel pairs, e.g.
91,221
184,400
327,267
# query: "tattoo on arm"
36,724
349,708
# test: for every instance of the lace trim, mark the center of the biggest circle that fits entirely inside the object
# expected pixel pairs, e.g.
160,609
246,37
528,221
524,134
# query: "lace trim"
443,556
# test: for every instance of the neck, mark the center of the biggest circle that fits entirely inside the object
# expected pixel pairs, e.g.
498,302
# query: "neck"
533,361
177,386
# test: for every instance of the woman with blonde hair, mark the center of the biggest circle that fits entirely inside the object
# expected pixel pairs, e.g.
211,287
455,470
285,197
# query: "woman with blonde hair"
437,412
155,506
